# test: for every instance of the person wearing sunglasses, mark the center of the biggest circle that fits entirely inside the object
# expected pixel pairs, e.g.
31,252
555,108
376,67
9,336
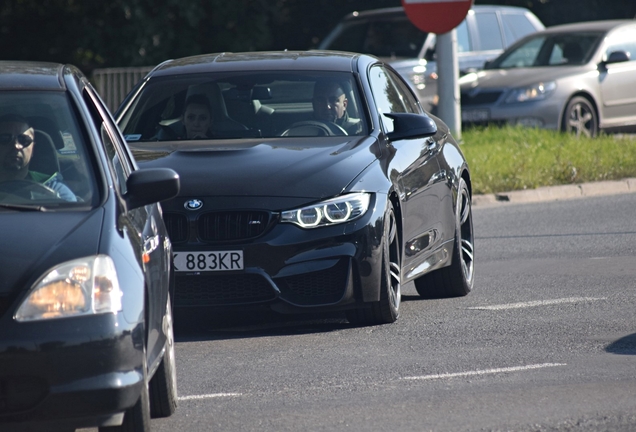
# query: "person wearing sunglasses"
17,146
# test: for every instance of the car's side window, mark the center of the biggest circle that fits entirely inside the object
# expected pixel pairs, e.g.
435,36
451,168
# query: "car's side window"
388,97
409,101
117,159
516,26
463,38
488,31
464,43
121,172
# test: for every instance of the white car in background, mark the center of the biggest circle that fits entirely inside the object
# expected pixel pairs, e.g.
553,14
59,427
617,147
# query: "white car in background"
388,34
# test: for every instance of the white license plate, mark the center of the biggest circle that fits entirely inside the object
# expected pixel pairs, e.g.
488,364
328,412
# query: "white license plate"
202,261
475,115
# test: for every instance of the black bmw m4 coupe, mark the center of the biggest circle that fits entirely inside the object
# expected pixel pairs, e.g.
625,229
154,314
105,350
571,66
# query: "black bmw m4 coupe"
310,181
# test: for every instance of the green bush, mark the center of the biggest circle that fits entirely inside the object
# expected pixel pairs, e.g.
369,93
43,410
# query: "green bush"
514,158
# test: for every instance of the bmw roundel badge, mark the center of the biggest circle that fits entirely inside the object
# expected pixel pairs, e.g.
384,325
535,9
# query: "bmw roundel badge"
193,204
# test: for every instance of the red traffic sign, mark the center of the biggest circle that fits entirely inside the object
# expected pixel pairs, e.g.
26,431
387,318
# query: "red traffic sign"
436,16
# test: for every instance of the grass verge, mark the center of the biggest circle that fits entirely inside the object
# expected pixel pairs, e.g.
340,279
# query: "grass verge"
514,158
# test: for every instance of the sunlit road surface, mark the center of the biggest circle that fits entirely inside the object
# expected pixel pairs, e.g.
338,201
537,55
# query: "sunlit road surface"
545,342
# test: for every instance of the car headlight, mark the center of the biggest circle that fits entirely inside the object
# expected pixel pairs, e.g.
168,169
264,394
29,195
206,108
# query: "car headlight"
84,286
531,93
334,211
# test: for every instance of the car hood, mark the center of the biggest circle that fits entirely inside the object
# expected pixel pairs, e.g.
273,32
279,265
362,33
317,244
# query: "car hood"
287,167
518,77
34,242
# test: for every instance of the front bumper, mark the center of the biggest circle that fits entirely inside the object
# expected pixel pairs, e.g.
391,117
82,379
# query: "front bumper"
291,269
544,114
68,373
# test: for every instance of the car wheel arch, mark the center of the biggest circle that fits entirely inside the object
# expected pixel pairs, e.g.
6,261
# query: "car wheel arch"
590,98
466,176
397,209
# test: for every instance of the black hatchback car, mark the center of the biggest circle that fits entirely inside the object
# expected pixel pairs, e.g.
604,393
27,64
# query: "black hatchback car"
310,181
85,314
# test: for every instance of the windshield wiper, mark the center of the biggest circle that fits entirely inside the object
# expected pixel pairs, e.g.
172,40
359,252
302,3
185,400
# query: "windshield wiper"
24,207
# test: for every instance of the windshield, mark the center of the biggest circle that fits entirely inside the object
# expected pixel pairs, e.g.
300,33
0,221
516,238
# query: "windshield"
565,49
245,105
43,158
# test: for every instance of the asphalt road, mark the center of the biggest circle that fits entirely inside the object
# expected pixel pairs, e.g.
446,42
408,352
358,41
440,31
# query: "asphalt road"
545,342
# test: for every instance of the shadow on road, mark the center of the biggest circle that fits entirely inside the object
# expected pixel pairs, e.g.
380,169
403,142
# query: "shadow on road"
204,325
625,346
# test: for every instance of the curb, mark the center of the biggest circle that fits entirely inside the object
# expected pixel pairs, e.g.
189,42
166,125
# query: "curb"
556,193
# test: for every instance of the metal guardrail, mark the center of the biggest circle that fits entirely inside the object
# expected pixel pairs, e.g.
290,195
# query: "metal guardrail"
113,84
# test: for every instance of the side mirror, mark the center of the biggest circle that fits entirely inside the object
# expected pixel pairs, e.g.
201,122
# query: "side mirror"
407,125
151,185
617,57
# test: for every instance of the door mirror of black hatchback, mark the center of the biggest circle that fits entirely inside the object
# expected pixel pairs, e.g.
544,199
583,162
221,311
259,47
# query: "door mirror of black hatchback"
151,185
407,125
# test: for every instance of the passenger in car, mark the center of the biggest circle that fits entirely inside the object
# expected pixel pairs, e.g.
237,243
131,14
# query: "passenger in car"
197,117
330,105
17,150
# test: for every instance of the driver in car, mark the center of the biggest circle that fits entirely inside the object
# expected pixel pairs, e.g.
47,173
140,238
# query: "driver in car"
17,144
330,105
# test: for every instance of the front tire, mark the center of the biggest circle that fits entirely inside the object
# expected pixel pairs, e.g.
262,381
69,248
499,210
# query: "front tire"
163,385
580,118
387,310
457,279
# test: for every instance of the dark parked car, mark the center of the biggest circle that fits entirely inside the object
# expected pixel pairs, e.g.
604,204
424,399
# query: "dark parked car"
579,78
387,33
85,315
284,206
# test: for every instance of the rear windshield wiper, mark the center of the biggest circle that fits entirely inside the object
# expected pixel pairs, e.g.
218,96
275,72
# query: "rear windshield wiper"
23,207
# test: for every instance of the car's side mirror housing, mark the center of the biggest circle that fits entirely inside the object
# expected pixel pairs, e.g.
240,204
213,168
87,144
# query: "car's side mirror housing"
408,125
616,57
151,185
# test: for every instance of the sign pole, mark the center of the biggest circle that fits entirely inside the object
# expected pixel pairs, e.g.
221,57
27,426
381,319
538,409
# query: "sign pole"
441,17
449,105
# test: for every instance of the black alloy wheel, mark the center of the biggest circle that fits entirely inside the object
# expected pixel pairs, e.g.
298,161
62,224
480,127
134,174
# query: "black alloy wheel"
387,310
457,279
580,118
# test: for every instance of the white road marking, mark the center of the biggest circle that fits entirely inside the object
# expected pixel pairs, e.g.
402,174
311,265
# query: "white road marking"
423,377
209,396
485,371
538,303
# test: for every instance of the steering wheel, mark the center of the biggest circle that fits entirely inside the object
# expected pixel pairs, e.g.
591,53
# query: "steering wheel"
314,128
23,188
